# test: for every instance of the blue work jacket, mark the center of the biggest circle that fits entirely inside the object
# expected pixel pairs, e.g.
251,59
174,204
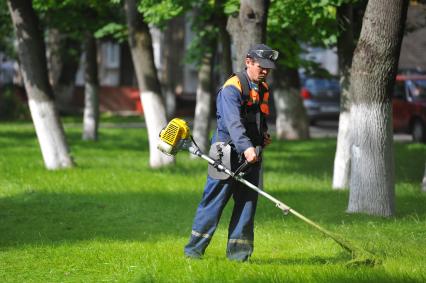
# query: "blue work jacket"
230,120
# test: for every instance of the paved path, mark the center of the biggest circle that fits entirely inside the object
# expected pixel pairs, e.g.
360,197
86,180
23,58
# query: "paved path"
330,128
323,129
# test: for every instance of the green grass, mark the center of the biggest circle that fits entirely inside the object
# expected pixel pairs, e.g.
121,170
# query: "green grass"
112,219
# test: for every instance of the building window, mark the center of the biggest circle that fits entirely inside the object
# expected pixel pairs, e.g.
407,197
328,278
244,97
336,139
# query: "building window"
111,54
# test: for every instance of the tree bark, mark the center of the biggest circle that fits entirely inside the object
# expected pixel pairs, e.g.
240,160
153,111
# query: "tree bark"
424,181
248,28
62,62
345,48
91,87
140,43
32,56
224,39
173,52
374,67
203,106
53,51
292,123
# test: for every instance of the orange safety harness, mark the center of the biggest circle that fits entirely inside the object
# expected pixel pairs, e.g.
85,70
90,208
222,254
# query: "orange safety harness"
254,106
252,97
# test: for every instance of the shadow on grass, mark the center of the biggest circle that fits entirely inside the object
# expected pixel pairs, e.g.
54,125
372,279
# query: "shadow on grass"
316,158
313,157
14,138
37,217
112,139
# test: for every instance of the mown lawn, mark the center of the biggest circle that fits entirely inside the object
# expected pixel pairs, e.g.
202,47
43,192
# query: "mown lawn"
112,219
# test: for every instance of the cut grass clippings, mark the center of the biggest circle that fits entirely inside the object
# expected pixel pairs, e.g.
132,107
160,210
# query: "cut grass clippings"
113,219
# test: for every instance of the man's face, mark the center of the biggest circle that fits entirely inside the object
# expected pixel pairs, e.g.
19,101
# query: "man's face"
255,72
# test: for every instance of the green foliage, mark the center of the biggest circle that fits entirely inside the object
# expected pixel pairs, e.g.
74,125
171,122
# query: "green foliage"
76,17
115,219
157,12
232,7
205,14
292,24
6,31
117,31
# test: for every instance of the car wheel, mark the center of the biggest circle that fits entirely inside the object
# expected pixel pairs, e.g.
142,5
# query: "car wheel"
418,131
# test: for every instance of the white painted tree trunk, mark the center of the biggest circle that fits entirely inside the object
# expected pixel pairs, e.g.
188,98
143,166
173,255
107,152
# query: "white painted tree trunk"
32,56
345,48
202,119
91,112
155,119
140,42
343,153
372,169
374,67
91,86
424,181
203,106
291,121
50,134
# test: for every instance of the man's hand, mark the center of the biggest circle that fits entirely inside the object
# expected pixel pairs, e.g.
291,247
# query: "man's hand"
266,139
250,155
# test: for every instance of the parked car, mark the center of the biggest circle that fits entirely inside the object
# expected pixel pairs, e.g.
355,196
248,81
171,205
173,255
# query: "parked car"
409,106
321,98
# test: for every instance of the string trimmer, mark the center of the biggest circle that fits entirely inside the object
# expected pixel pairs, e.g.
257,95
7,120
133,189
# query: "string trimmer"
176,136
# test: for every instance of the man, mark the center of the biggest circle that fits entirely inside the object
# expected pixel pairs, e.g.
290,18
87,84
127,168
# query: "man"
242,107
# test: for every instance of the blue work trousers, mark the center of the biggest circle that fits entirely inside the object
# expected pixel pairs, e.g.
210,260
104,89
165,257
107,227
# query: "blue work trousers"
240,231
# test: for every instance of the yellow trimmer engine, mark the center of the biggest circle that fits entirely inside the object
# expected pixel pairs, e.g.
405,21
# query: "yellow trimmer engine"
174,136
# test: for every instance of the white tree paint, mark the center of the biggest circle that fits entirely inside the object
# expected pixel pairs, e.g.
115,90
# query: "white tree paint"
343,153
424,181
49,133
155,119
91,106
202,119
291,121
372,166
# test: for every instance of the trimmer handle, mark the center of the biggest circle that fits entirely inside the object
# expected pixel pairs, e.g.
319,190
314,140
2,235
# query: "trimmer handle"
246,164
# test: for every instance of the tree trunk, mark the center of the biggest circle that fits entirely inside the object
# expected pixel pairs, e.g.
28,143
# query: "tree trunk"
205,75
224,39
53,51
173,52
91,86
345,48
32,56
140,43
374,67
127,71
248,28
424,181
203,106
62,62
292,123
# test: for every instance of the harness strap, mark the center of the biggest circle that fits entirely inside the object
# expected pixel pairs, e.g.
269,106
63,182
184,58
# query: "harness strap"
244,84
246,94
